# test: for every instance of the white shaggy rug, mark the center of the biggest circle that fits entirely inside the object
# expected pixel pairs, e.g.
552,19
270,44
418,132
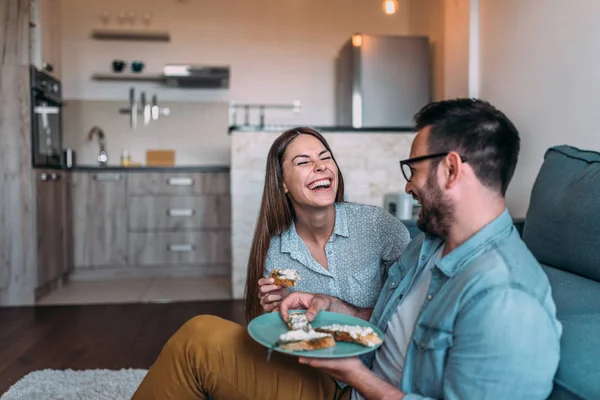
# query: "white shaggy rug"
91,384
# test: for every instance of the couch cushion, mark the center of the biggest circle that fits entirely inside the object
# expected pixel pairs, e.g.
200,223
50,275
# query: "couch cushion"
562,226
579,368
578,309
572,294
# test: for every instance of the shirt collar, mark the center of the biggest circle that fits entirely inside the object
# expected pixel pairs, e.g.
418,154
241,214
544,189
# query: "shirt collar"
341,223
290,238
457,258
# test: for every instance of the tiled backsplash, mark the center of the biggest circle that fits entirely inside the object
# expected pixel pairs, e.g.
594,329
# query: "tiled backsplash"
368,161
197,131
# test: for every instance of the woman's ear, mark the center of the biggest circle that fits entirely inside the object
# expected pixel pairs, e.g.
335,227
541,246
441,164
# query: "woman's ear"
285,189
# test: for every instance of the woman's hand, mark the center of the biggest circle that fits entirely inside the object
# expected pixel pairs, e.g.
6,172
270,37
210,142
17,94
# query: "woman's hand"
270,295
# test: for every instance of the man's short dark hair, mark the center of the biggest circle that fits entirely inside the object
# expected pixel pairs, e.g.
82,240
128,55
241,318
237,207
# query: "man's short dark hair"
477,131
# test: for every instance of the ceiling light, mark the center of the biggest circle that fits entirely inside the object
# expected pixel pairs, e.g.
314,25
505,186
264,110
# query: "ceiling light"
389,6
357,40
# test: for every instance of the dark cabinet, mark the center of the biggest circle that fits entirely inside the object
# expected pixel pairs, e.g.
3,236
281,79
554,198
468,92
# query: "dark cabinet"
54,232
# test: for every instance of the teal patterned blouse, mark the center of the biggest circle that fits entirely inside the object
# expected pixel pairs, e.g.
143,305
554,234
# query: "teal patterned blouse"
366,241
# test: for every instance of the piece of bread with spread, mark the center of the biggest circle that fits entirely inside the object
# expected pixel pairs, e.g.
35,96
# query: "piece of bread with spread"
298,321
299,340
285,277
352,334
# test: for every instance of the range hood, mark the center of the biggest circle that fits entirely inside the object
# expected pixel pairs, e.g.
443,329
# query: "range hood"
196,76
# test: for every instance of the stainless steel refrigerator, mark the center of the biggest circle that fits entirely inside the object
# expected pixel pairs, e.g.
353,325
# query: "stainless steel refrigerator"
382,81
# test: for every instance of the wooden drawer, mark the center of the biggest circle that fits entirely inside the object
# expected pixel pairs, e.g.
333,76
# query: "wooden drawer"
178,183
151,213
197,247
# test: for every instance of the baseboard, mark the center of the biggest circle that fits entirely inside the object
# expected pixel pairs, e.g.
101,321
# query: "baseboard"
50,286
159,271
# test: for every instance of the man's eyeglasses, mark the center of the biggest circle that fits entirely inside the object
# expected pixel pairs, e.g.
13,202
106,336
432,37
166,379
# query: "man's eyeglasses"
407,169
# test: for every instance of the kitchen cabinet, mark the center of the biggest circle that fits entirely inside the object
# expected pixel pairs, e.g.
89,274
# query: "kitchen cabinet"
180,219
152,223
178,184
53,230
45,38
100,219
69,265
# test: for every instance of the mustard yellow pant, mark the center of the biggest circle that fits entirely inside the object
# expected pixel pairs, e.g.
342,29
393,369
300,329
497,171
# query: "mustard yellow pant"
209,356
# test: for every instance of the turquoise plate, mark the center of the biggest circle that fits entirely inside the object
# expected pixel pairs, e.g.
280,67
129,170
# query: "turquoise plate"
266,328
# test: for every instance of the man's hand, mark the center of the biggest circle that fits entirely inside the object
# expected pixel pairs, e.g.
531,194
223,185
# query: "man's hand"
312,303
354,373
270,295
347,370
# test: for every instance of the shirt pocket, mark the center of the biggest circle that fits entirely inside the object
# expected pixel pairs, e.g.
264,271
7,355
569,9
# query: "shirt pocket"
431,345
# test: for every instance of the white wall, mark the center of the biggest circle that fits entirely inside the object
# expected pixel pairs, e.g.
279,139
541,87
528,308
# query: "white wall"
446,23
279,50
427,18
456,48
540,63
196,131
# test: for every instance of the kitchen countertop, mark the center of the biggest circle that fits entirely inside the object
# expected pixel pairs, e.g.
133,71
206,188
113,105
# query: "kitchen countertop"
282,128
119,168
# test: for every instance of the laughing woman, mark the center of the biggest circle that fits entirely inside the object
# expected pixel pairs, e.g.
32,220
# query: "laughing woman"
339,249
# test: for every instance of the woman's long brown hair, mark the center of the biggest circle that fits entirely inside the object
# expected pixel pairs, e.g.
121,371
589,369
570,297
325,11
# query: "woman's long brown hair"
276,214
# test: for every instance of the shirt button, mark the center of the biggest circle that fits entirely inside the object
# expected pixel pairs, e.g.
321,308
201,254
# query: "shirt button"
430,297
423,258
393,285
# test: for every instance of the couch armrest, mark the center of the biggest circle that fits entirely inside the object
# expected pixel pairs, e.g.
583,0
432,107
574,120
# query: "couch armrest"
519,224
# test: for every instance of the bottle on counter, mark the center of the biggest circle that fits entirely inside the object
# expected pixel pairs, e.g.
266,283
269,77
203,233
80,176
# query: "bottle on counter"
125,158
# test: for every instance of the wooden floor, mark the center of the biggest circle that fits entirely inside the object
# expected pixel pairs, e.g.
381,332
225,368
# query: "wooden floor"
93,336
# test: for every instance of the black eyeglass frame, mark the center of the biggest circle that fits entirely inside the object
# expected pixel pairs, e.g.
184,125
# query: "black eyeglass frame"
410,161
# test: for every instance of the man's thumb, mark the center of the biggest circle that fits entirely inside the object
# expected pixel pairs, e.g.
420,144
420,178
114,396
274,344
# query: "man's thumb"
315,306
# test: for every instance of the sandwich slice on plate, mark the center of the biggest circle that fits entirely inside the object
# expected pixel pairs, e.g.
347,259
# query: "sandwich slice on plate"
305,341
352,334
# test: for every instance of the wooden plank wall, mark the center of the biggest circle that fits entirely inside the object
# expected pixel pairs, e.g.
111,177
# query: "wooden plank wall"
17,206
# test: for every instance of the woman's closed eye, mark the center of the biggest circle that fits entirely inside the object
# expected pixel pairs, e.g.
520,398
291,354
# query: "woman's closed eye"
308,162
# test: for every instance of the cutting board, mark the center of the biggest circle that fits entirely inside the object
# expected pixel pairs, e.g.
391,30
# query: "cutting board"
160,158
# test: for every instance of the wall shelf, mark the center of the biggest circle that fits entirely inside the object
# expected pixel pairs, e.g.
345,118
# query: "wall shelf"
136,35
128,77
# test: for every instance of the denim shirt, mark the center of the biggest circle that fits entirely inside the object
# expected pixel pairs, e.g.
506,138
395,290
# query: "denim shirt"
487,328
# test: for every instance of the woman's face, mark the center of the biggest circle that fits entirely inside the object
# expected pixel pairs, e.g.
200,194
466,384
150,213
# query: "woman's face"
309,172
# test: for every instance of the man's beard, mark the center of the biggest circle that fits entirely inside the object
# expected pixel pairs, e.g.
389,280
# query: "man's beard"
436,210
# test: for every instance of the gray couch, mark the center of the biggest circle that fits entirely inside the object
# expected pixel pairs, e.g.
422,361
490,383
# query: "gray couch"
562,230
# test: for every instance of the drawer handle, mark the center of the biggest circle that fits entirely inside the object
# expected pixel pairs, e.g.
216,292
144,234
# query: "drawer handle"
180,181
180,212
107,177
181,248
